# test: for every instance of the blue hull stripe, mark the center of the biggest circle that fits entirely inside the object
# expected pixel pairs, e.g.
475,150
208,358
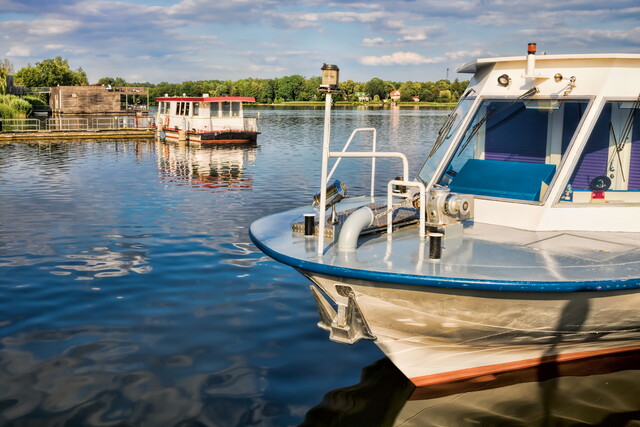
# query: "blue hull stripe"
446,282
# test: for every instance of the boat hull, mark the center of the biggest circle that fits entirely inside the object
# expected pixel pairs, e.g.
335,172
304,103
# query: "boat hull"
222,137
444,333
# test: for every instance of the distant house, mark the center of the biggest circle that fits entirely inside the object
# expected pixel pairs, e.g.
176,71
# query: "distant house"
363,97
99,100
395,95
416,99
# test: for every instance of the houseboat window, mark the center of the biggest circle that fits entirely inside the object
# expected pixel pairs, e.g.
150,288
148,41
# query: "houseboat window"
186,108
226,109
444,140
512,148
608,170
178,106
235,109
214,109
196,108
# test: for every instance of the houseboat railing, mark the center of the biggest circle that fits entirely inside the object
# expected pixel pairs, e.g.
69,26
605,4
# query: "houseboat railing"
250,124
19,124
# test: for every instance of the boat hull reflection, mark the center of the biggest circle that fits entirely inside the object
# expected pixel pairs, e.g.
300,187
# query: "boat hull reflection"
219,167
596,390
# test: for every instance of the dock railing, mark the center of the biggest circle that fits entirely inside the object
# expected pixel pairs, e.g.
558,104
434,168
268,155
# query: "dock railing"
8,125
60,123
78,123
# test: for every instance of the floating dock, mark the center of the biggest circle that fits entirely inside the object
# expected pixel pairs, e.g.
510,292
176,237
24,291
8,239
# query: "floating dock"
19,136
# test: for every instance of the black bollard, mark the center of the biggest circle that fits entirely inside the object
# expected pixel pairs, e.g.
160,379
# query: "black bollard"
309,224
435,245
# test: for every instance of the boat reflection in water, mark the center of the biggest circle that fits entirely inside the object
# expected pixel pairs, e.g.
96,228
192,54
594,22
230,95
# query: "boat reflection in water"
218,167
598,390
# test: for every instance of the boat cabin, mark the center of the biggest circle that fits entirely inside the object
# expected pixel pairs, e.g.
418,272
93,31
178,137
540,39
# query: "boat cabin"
202,114
535,137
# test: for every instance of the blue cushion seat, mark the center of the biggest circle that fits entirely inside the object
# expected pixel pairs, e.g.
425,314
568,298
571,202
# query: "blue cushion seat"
499,178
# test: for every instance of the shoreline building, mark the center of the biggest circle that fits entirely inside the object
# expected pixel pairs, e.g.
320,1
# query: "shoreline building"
99,100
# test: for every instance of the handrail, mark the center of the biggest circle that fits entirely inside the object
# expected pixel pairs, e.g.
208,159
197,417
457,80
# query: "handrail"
391,208
326,154
374,155
373,149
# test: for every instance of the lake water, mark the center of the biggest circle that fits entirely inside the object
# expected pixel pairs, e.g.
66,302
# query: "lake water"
132,295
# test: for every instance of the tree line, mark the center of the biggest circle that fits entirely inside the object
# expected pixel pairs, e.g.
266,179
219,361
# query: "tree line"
56,71
299,88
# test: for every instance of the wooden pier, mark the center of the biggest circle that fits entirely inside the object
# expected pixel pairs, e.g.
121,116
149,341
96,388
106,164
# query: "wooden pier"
31,136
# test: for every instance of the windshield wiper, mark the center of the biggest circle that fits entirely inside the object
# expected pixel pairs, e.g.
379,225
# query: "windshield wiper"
626,130
490,114
448,124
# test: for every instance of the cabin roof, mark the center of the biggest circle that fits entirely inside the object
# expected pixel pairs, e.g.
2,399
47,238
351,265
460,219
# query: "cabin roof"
207,98
473,66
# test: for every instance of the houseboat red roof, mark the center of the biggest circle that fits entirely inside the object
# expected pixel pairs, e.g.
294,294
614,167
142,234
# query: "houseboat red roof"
208,98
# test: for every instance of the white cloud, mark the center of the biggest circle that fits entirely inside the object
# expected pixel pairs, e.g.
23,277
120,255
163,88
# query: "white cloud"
49,27
377,41
413,58
396,58
19,51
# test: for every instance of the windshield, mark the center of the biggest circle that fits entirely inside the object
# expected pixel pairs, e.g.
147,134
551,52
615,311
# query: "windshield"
445,138
608,170
512,148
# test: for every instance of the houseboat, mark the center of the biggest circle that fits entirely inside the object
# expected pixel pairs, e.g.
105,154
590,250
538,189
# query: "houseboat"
205,119
518,242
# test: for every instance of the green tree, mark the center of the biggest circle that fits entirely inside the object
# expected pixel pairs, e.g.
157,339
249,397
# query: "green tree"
408,90
348,88
376,86
309,90
113,82
51,72
289,88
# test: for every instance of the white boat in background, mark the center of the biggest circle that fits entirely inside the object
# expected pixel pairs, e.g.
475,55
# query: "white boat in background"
205,119
517,243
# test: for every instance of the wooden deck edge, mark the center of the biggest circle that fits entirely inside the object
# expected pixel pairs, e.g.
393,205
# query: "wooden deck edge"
79,134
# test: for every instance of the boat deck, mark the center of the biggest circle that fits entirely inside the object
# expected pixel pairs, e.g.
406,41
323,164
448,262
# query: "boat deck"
488,257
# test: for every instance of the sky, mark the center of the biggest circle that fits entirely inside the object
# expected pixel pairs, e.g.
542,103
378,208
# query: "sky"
397,40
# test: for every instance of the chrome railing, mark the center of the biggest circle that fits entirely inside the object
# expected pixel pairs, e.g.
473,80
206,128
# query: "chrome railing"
373,154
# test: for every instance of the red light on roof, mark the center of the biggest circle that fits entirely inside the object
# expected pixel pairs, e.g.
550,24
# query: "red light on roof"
531,48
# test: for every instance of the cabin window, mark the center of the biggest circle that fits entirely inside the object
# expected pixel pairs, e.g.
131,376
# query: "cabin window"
608,169
235,109
196,108
226,109
186,108
512,148
178,108
214,109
